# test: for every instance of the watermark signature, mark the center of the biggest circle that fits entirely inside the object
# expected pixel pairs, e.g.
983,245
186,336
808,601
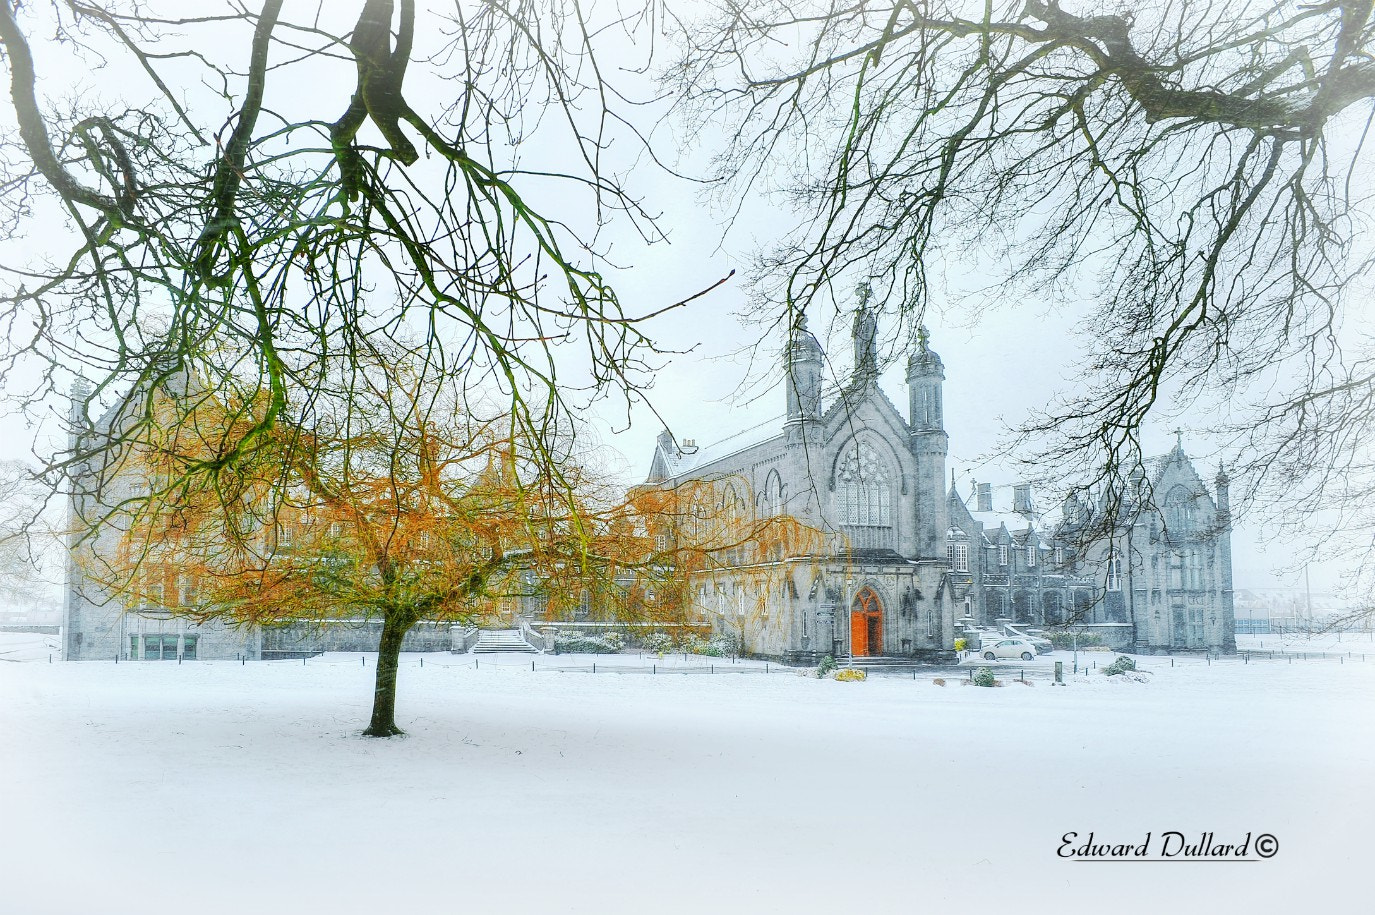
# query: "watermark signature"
1170,846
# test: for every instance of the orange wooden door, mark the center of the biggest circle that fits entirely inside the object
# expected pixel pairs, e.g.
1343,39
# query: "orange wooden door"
873,640
859,634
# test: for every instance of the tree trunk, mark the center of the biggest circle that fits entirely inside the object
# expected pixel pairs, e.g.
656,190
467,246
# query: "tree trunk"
394,628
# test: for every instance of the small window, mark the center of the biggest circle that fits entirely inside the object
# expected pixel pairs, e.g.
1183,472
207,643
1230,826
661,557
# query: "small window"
1031,556
1002,554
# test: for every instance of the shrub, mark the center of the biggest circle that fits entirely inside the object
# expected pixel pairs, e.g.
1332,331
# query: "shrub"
585,644
614,640
658,642
692,643
1120,666
961,644
984,677
1061,639
850,675
827,665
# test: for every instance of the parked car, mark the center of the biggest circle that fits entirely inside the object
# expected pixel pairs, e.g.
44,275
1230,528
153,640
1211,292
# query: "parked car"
1008,648
1043,645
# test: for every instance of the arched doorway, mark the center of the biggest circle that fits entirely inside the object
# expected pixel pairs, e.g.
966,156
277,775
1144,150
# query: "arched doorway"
866,624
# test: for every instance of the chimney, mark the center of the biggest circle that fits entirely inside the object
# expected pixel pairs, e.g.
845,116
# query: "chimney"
1021,498
985,497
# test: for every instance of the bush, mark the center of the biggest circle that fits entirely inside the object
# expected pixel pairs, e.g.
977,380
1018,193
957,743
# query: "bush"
658,642
1062,639
984,677
614,640
939,681
586,644
692,643
1120,666
961,644
850,675
827,665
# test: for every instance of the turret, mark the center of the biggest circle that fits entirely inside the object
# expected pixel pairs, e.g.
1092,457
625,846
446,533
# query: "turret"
1224,556
929,444
925,378
803,363
1224,502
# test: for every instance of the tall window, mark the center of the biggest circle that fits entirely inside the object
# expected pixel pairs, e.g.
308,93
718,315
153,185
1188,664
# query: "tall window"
1114,577
864,496
1031,555
1180,511
1002,554
959,557
773,494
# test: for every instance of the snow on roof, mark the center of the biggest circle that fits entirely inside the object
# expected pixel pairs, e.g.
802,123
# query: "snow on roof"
685,458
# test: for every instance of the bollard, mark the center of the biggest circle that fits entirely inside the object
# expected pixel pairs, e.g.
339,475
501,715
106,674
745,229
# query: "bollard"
713,668
654,668
1172,662
422,662
474,663
50,659
303,662
1059,671
364,659
594,667
243,660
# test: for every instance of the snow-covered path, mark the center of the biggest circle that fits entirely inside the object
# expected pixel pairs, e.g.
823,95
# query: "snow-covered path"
216,787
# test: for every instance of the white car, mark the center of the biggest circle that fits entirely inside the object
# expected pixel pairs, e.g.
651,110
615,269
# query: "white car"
1008,648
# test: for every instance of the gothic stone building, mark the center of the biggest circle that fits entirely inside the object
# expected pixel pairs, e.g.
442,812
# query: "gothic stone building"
916,562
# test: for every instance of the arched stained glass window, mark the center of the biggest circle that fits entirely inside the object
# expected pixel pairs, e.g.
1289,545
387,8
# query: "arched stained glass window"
864,488
1180,511
864,497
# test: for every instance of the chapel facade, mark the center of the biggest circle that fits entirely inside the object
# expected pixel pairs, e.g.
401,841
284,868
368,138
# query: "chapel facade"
912,563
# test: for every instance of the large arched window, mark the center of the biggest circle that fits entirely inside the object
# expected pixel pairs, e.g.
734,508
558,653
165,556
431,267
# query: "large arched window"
773,500
864,497
1180,511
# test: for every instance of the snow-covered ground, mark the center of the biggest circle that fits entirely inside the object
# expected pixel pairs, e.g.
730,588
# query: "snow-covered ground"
215,787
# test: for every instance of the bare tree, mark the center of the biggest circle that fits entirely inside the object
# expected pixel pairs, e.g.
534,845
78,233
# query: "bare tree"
1194,167
298,183
25,539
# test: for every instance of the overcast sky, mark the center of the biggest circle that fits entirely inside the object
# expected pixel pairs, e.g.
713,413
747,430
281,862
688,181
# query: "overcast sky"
997,370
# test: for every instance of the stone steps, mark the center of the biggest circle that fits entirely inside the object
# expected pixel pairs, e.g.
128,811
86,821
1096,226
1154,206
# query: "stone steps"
490,641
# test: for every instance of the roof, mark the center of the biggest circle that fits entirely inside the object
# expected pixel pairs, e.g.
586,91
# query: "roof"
673,458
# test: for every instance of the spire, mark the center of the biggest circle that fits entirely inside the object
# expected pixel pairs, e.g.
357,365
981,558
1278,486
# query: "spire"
866,336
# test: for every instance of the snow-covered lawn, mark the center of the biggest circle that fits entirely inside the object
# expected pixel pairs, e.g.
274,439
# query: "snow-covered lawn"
215,787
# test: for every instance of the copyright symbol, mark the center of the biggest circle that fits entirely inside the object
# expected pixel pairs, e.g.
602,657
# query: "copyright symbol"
1267,845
